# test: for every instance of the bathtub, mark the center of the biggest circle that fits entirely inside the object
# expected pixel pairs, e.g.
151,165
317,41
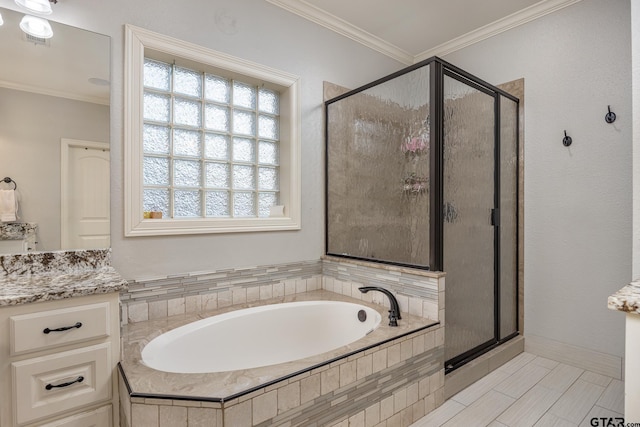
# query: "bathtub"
260,336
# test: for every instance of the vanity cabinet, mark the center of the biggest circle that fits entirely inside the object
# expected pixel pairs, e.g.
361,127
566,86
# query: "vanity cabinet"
58,362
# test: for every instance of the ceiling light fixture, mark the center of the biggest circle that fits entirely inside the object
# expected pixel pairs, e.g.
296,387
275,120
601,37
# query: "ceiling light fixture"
41,7
36,27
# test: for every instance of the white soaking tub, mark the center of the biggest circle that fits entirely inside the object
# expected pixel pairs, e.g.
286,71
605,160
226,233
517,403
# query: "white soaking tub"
260,336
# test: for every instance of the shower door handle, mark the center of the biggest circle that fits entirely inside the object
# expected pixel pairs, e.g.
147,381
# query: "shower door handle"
495,217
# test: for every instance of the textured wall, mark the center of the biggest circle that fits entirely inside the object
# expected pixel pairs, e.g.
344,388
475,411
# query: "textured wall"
577,241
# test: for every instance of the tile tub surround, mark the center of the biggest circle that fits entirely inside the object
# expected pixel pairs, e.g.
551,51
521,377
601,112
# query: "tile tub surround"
626,299
47,276
156,298
392,372
419,292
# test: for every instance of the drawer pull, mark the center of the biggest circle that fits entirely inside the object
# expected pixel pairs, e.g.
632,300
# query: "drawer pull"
64,328
77,380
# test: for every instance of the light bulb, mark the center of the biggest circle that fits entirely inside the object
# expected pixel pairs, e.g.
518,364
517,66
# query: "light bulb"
37,27
41,7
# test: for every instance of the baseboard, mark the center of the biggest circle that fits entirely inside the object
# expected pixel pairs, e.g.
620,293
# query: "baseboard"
591,360
481,366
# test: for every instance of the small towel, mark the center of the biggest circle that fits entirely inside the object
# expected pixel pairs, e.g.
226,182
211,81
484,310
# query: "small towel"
8,205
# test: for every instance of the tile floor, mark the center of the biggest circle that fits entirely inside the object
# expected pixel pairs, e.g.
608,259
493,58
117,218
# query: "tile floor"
531,391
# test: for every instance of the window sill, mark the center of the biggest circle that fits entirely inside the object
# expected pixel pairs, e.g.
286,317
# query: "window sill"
158,227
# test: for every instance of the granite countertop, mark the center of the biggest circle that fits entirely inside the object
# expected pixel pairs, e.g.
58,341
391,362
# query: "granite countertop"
145,381
626,299
46,276
23,289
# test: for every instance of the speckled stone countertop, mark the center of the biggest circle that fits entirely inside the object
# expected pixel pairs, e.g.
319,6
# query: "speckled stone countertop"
45,276
626,299
145,381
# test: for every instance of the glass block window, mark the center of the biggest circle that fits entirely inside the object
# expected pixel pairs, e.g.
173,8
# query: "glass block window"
210,144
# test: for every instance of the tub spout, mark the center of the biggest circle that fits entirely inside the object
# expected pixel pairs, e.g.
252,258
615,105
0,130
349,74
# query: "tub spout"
394,313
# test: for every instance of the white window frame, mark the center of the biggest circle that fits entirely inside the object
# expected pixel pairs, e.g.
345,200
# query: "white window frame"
136,41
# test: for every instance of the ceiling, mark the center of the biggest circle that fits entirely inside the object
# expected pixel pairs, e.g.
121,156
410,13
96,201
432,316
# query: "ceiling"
406,30
61,67
412,30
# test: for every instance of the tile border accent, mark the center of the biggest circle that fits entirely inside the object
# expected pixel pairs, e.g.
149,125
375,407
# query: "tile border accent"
155,298
419,292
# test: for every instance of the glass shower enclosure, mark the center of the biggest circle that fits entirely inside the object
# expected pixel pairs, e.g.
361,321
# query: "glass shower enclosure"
422,171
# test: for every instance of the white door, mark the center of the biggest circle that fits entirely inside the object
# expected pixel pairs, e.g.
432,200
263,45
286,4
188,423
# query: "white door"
85,195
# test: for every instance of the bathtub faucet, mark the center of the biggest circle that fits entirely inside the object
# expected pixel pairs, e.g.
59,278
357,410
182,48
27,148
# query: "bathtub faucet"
394,313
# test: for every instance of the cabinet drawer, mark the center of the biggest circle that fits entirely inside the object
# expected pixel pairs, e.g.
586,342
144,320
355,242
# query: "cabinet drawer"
100,417
36,331
49,385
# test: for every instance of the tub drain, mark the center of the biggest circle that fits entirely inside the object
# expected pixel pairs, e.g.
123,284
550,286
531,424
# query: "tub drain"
362,315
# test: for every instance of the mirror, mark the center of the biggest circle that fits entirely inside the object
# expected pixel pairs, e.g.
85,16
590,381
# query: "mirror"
54,134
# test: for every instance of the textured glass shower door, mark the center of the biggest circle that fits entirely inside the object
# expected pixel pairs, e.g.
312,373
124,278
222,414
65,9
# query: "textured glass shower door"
378,151
469,168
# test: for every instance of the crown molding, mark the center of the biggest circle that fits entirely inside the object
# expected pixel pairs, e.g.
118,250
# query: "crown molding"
340,26
50,92
516,19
